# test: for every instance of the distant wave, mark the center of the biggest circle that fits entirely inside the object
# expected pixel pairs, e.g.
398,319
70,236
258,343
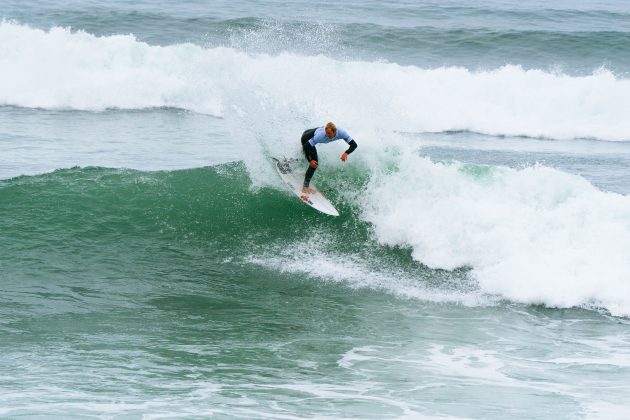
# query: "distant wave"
61,69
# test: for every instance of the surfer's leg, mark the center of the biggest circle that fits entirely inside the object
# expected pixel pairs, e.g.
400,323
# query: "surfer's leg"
309,174
310,153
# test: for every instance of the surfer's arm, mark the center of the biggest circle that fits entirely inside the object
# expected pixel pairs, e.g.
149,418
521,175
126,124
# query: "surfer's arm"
343,134
353,145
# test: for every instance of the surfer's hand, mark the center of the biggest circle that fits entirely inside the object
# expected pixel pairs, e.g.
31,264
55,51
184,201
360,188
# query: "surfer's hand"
344,156
313,164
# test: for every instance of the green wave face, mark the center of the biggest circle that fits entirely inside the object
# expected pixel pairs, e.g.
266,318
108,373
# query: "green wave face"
114,209
87,225
107,214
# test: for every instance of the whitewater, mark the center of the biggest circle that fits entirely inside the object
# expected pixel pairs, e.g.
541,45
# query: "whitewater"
87,72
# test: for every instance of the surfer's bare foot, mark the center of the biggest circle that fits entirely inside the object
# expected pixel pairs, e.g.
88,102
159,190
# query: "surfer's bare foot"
308,190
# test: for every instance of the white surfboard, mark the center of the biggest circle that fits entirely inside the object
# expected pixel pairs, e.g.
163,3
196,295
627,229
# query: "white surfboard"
295,181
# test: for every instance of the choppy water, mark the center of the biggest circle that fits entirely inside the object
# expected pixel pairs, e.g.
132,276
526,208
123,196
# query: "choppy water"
152,264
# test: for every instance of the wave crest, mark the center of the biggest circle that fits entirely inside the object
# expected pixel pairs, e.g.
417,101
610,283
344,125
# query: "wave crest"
62,69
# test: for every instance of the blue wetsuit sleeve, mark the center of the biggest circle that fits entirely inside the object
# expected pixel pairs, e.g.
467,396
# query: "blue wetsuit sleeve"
343,134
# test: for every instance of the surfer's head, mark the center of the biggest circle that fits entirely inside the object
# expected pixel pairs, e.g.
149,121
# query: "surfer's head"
331,129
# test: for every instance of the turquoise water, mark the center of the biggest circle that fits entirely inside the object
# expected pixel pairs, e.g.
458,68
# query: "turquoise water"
153,265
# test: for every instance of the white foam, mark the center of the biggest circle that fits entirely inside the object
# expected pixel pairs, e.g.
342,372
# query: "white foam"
355,272
60,68
355,355
532,235
481,366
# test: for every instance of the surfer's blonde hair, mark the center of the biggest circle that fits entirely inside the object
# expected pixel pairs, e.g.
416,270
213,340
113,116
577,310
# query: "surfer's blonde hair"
331,125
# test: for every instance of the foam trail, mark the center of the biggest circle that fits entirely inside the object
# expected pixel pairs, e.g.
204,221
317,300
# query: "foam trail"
533,235
75,70
357,272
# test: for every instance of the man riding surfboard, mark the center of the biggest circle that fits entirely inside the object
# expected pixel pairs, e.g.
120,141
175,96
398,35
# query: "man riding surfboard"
314,136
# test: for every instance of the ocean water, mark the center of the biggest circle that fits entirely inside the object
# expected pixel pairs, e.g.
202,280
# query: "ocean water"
152,264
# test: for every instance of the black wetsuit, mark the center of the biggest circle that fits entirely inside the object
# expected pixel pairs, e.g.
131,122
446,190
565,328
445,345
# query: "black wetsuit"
310,152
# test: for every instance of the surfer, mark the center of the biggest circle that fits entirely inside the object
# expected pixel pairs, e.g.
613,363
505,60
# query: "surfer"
313,136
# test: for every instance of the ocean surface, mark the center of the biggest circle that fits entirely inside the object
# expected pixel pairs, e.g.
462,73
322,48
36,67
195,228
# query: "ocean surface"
152,264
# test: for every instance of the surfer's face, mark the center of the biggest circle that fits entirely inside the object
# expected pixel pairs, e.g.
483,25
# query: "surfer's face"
329,132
